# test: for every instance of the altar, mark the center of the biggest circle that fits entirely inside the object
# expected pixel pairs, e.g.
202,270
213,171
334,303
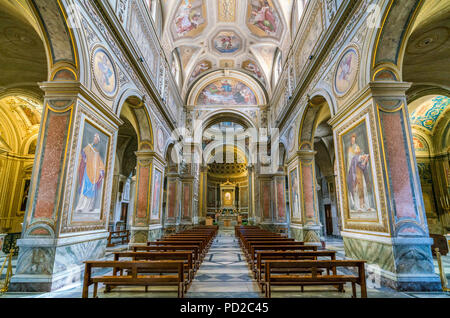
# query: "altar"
227,221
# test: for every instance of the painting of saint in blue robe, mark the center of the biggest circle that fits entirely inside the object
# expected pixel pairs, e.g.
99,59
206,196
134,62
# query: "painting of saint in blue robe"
91,173
358,171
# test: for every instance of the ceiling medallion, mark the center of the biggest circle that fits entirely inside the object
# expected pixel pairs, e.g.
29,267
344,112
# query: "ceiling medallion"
346,71
105,74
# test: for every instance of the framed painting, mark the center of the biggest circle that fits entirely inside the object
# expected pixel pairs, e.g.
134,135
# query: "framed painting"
295,195
105,74
358,174
346,71
156,202
90,174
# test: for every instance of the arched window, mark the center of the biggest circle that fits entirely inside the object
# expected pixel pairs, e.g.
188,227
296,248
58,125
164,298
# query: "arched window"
277,67
175,67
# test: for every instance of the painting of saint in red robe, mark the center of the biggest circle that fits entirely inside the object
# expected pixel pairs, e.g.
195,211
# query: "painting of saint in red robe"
91,172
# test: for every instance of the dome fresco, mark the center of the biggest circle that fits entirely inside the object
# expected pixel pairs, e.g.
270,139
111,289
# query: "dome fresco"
428,113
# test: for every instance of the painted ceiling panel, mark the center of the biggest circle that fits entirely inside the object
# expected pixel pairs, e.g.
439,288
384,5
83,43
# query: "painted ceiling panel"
226,34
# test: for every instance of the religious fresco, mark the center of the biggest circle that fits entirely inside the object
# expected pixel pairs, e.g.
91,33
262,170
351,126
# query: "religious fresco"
295,195
263,19
253,68
33,115
427,114
90,177
226,92
200,68
227,200
156,195
359,181
419,144
227,42
104,72
346,71
190,18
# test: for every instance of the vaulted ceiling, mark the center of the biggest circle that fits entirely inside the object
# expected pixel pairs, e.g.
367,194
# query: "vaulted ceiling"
207,35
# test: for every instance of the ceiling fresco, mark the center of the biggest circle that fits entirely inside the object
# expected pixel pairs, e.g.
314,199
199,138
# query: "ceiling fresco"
427,114
226,34
226,92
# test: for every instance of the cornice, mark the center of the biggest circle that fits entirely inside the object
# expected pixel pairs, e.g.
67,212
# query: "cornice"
73,89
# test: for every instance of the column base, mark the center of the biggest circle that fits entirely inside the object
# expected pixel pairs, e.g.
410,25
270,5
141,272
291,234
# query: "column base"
296,232
138,236
403,264
155,232
46,265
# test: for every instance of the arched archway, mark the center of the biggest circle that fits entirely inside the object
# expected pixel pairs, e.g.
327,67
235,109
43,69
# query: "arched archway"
140,167
430,117
311,176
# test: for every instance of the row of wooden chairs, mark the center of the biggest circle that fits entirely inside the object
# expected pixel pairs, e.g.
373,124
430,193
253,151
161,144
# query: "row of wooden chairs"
275,259
170,261
122,235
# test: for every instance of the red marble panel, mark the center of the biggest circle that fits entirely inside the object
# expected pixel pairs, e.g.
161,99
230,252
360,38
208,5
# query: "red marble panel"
143,192
51,165
280,200
186,200
308,191
266,200
172,200
398,164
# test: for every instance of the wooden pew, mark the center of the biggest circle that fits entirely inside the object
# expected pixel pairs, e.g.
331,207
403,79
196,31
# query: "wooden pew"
134,279
277,273
186,257
250,241
181,243
263,256
250,253
174,248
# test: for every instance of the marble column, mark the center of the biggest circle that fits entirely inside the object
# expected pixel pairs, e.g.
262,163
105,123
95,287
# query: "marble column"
280,213
131,204
251,196
390,228
203,195
308,197
173,207
187,201
58,233
146,216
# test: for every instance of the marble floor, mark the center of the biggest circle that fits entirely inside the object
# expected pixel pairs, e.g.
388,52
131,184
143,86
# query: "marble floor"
224,273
